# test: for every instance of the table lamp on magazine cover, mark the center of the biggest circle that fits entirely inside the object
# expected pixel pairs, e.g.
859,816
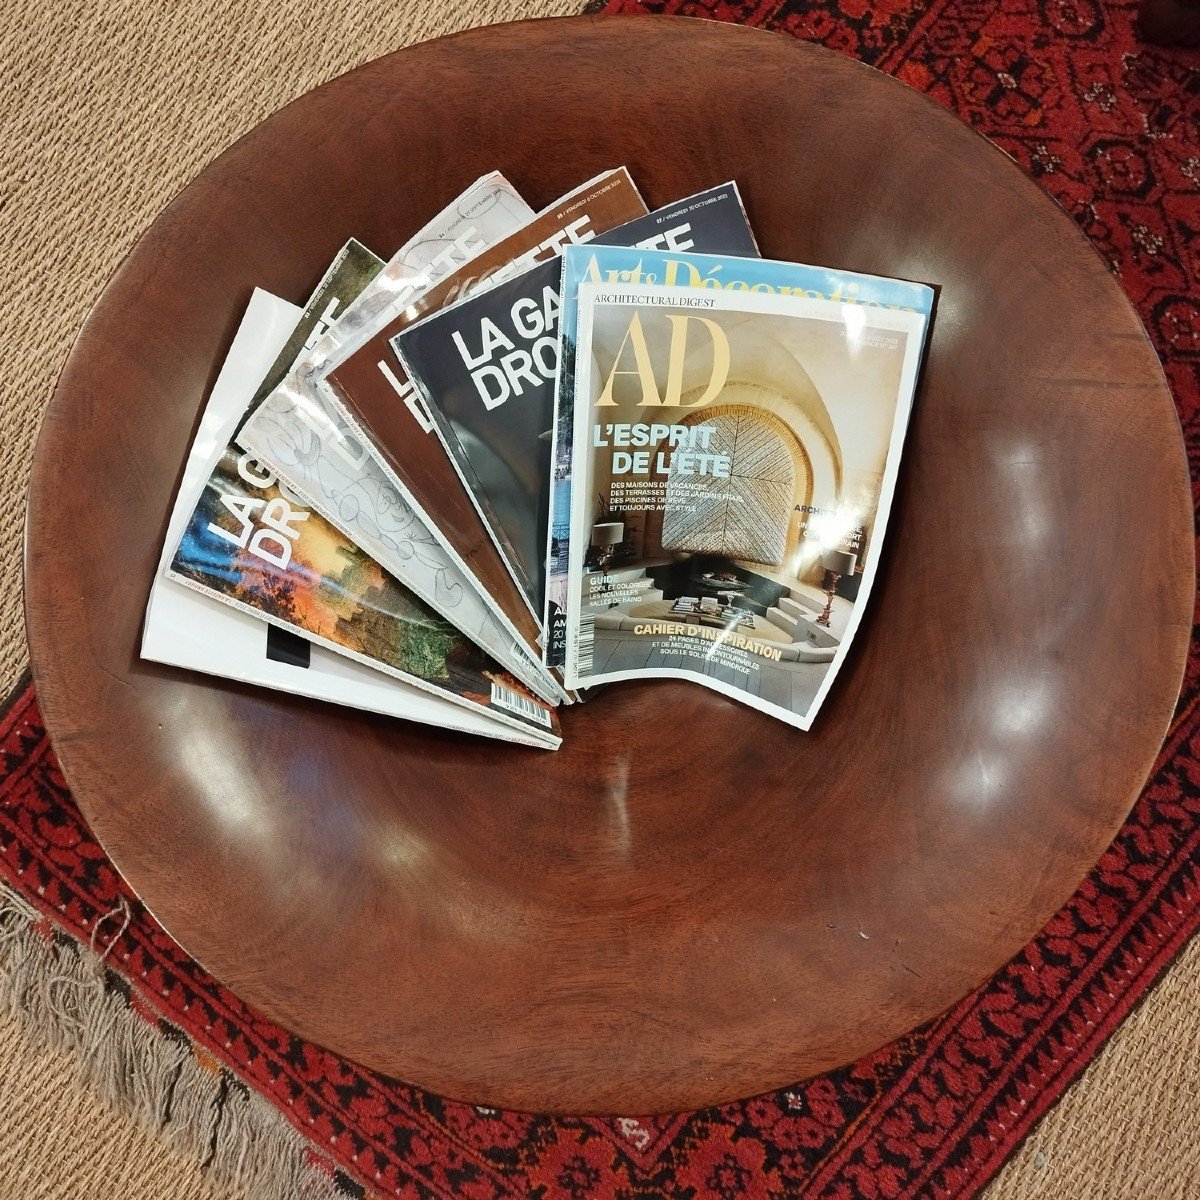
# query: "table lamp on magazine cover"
836,563
606,537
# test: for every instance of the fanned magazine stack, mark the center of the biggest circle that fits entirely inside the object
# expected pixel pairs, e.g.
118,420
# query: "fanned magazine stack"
536,452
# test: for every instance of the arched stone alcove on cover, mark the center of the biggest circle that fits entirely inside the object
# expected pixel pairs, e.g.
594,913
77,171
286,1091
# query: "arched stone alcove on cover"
747,515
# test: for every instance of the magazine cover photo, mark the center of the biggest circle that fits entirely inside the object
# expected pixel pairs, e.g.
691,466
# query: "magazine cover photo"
733,466
252,544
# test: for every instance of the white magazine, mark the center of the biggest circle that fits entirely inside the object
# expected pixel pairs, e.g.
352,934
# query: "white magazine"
186,629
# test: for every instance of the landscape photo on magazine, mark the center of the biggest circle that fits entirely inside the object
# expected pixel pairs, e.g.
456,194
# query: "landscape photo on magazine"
254,545
186,627
734,457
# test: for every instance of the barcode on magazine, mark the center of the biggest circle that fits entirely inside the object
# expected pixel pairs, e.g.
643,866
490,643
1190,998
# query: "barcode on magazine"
585,646
504,697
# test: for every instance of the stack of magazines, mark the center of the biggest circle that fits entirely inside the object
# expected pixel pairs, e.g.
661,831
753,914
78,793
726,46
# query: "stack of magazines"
535,452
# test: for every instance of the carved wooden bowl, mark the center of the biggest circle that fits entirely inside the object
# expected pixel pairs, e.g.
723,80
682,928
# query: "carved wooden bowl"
690,902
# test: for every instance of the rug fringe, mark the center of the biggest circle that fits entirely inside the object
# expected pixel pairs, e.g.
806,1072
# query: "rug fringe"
56,988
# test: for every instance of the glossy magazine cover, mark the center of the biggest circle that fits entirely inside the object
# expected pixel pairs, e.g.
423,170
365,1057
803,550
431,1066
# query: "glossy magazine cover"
351,272
484,213
487,369
252,544
681,267
187,628
734,454
379,403
303,437
709,222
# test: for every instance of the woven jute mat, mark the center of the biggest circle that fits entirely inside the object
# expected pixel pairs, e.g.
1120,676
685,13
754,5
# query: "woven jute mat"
106,111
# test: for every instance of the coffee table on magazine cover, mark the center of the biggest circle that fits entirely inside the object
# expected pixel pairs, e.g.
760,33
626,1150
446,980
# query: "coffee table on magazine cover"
690,901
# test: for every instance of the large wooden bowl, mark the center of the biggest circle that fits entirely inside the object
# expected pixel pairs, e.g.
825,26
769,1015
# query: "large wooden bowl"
690,902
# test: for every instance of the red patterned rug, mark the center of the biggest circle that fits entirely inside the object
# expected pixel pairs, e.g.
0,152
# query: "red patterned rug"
1109,127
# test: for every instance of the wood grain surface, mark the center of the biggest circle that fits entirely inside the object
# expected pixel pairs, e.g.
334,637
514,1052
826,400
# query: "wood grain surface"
690,902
